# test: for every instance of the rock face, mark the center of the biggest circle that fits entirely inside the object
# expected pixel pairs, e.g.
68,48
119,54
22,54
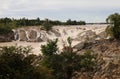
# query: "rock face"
7,37
32,34
108,59
36,34
23,36
57,34
86,35
29,35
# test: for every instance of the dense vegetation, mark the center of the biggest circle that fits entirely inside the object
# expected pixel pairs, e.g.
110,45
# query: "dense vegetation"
113,29
64,64
7,24
47,25
20,63
6,28
37,21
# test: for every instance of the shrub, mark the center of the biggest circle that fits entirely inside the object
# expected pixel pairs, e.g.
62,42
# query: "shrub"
6,28
50,49
19,63
65,63
114,28
47,25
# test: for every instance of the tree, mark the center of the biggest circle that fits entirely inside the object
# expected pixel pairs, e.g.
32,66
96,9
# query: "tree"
47,25
6,28
38,21
74,22
114,28
19,63
5,20
65,63
68,22
50,49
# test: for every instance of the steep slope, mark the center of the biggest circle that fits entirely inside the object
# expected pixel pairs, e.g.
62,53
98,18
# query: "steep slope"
108,59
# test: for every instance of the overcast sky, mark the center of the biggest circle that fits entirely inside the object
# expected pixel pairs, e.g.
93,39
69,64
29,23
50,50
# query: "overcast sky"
87,10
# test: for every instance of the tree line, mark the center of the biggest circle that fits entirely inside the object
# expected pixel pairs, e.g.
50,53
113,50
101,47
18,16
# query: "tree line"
37,22
7,24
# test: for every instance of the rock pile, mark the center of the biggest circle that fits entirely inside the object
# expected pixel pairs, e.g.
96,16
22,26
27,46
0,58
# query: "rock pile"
108,59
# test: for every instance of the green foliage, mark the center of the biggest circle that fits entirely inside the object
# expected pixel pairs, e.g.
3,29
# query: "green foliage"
19,63
50,49
6,28
47,25
70,63
114,28
37,22
65,63
109,31
87,62
42,72
74,22
69,40
5,20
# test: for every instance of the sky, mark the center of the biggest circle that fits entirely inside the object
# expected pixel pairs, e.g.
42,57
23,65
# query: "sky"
86,10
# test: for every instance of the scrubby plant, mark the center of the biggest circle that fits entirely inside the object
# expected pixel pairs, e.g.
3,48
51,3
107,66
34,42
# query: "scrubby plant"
6,28
47,25
19,63
50,48
87,61
113,29
69,40
64,64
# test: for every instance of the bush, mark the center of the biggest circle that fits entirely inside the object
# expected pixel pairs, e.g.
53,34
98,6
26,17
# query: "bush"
49,49
47,25
64,64
19,63
6,28
114,28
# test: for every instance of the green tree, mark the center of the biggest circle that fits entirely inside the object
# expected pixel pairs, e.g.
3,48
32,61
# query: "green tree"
7,27
19,63
65,63
50,49
47,25
114,28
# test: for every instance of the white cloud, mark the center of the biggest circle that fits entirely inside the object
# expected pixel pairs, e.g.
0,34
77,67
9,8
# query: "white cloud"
55,4
20,7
